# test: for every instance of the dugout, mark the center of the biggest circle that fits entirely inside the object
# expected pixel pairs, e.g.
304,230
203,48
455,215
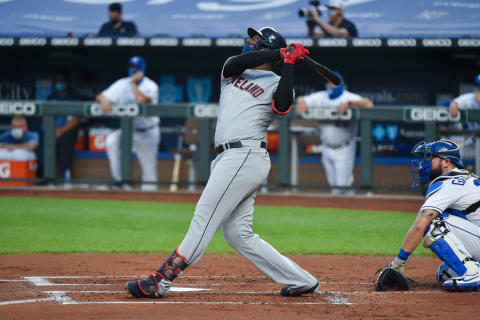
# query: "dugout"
391,72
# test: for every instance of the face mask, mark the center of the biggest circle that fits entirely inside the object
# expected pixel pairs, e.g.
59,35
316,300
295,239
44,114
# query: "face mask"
114,21
60,86
132,71
17,133
335,92
248,47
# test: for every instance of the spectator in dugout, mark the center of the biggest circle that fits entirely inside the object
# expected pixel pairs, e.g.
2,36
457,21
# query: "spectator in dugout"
66,130
337,27
116,27
18,137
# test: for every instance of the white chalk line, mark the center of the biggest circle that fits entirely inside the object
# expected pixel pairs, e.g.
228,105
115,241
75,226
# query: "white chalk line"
4,303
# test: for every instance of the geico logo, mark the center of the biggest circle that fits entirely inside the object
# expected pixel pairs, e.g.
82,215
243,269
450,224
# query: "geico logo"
332,42
437,42
401,42
26,108
367,42
205,111
117,110
424,114
469,42
99,141
327,114
5,170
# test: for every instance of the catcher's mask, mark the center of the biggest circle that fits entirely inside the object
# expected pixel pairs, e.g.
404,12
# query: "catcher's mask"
423,152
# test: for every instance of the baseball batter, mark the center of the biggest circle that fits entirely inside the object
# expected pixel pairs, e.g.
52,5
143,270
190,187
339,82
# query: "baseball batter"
250,95
338,138
136,88
449,220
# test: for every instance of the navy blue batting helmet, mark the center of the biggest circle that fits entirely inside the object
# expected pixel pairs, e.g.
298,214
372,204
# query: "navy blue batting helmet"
271,38
424,152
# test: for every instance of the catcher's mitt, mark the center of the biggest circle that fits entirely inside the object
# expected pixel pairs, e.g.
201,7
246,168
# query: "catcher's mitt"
390,279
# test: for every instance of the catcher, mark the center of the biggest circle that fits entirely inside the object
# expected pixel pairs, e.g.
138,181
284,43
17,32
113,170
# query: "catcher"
448,221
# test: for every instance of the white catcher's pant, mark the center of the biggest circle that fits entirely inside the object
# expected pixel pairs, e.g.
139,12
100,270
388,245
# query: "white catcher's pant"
227,202
145,144
467,233
339,164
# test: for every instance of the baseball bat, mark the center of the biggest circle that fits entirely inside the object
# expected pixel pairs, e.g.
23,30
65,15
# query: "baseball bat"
175,172
323,71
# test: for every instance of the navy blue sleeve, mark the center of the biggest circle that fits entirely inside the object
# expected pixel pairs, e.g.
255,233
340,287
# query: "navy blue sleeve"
283,96
237,64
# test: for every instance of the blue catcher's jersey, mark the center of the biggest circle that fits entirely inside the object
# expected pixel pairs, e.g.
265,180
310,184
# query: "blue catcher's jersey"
457,193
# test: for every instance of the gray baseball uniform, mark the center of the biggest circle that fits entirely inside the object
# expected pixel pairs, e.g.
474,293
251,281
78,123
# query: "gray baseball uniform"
245,111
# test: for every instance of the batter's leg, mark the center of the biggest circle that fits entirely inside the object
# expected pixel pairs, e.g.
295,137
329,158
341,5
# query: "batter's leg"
112,144
235,176
146,147
237,230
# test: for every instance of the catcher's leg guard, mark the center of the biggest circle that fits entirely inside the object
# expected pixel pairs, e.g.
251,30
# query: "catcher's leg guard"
450,250
158,284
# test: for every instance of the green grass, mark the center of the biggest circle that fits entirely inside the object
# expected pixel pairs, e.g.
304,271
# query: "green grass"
39,225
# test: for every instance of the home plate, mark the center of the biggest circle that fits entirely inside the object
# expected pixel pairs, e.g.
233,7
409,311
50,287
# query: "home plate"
180,289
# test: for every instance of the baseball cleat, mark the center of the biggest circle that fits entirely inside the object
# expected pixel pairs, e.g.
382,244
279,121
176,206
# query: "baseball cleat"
149,287
463,283
290,291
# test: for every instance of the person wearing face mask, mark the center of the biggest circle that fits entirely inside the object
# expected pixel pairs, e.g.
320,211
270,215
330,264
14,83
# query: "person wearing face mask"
467,101
338,138
66,129
337,27
116,27
19,137
137,88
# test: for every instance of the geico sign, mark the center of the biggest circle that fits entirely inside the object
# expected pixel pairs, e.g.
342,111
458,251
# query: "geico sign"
129,110
431,114
327,114
5,170
24,108
205,111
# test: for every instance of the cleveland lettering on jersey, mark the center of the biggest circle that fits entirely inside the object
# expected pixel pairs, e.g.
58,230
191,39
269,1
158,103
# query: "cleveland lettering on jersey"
240,83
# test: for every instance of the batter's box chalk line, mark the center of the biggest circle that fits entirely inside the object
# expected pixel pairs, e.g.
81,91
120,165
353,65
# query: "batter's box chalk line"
62,296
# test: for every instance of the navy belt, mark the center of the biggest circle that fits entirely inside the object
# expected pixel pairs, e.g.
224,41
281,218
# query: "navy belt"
237,144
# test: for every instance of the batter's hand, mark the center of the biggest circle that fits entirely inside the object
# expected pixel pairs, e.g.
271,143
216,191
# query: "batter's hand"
342,108
137,77
293,52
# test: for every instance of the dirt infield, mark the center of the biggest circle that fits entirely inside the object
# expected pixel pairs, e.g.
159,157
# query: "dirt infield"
86,286
91,286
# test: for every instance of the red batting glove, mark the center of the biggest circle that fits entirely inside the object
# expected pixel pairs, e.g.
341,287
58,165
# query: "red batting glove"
293,52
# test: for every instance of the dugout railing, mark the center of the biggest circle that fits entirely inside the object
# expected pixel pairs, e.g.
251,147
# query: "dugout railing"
206,114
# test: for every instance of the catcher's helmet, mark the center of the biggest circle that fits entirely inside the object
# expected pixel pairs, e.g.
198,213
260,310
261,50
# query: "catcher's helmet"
271,38
425,151
137,62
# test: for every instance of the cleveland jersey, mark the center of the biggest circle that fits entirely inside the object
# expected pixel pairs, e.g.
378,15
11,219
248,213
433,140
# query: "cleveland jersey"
245,107
457,193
